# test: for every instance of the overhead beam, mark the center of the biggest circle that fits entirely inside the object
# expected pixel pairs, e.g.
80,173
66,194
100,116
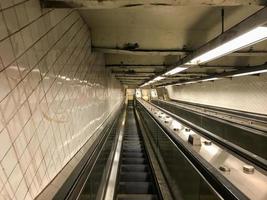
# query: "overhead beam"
109,4
135,66
132,74
170,52
133,78
142,52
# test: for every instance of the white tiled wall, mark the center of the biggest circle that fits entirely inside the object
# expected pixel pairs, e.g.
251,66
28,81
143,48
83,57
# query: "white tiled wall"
53,94
247,93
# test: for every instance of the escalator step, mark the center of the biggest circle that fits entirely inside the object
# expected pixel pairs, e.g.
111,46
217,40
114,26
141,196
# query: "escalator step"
134,168
133,155
135,177
134,161
136,197
136,188
132,145
133,150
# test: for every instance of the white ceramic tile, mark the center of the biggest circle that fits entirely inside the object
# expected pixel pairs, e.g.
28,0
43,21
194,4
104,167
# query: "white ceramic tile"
24,113
3,29
14,127
6,52
29,130
19,95
13,75
11,20
22,190
5,143
6,193
9,162
6,3
27,36
4,85
8,107
15,178
16,2
33,9
21,13
29,174
33,145
38,157
18,44
28,196
20,144
31,58
23,65
25,160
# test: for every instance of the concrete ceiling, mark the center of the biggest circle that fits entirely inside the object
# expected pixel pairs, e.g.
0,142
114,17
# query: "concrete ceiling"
142,41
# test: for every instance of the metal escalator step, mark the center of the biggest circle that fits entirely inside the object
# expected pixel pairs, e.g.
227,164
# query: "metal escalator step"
134,168
132,144
131,138
136,188
136,197
133,155
135,177
132,147
133,150
134,161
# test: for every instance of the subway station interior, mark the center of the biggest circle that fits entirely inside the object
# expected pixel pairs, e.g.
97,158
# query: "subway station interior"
133,99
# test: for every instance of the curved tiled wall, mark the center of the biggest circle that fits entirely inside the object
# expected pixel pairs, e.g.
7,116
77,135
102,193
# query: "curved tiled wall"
53,94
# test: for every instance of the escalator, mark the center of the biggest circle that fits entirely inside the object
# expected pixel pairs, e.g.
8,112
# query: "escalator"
137,159
135,178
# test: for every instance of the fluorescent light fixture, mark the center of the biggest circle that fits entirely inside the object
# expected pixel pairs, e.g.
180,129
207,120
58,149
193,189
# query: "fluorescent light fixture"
247,39
250,73
189,82
158,78
175,70
210,79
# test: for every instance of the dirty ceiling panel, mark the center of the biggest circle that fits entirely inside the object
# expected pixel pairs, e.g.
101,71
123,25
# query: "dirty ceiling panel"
151,36
145,31
162,27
